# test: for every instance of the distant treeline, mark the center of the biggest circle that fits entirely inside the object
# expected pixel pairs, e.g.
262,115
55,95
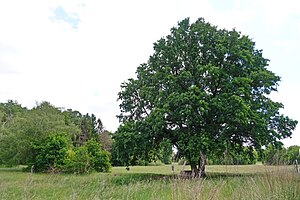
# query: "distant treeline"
50,139
270,156
46,138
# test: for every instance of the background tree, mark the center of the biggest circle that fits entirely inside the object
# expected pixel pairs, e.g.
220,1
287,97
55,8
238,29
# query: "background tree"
130,146
275,155
293,154
47,137
278,155
9,110
31,127
247,156
106,140
206,90
90,126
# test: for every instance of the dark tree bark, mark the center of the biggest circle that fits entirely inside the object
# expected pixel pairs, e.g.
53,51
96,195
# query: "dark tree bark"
198,169
202,163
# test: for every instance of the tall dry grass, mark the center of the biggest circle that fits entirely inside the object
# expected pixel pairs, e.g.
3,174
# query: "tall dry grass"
231,182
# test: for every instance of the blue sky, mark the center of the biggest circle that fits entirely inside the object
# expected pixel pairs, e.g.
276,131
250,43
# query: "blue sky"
59,14
75,54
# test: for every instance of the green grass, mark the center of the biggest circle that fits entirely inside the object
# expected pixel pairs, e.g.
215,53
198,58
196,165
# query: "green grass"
155,182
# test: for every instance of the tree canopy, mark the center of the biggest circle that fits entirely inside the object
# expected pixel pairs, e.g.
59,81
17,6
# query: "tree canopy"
51,139
206,90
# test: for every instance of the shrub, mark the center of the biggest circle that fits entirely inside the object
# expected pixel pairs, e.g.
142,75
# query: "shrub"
82,161
69,161
99,158
55,154
87,158
77,161
50,153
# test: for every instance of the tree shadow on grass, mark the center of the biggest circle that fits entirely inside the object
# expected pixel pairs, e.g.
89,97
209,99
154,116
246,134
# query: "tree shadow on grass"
125,179
11,169
223,175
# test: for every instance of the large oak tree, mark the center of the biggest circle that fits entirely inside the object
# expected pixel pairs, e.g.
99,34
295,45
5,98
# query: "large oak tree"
207,91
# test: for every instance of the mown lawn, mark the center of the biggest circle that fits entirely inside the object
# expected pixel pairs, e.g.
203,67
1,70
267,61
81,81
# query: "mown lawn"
155,182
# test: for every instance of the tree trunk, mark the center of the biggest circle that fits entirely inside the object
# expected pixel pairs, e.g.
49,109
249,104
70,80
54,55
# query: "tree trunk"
199,170
202,163
195,170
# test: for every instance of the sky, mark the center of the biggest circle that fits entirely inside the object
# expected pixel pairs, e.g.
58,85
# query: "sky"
75,54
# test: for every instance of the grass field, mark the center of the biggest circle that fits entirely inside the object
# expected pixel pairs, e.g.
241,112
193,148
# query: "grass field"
155,182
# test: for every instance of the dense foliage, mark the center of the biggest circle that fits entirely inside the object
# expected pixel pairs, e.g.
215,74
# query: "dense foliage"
243,157
132,148
26,127
87,158
279,155
50,154
204,89
51,139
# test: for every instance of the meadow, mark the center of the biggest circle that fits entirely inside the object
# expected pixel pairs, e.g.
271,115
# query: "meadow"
155,182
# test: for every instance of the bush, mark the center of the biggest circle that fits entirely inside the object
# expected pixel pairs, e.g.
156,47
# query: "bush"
55,154
99,158
87,158
77,162
81,162
50,153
